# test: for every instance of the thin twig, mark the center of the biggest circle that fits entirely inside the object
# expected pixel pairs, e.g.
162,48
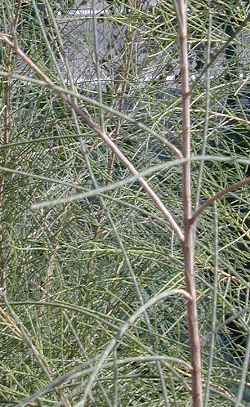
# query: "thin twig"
219,196
245,370
207,111
230,117
214,313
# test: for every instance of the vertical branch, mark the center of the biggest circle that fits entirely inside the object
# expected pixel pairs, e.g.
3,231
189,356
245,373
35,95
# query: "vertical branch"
245,369
207,111
214,313
188,243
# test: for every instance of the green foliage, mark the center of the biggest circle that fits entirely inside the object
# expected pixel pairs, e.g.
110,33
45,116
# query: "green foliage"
67,267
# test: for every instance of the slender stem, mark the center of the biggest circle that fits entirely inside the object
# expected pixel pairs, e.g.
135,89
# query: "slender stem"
188,244
97,63
214,313
207,111
245,369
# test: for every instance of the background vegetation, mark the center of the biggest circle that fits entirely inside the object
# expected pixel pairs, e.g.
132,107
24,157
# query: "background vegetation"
74,270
